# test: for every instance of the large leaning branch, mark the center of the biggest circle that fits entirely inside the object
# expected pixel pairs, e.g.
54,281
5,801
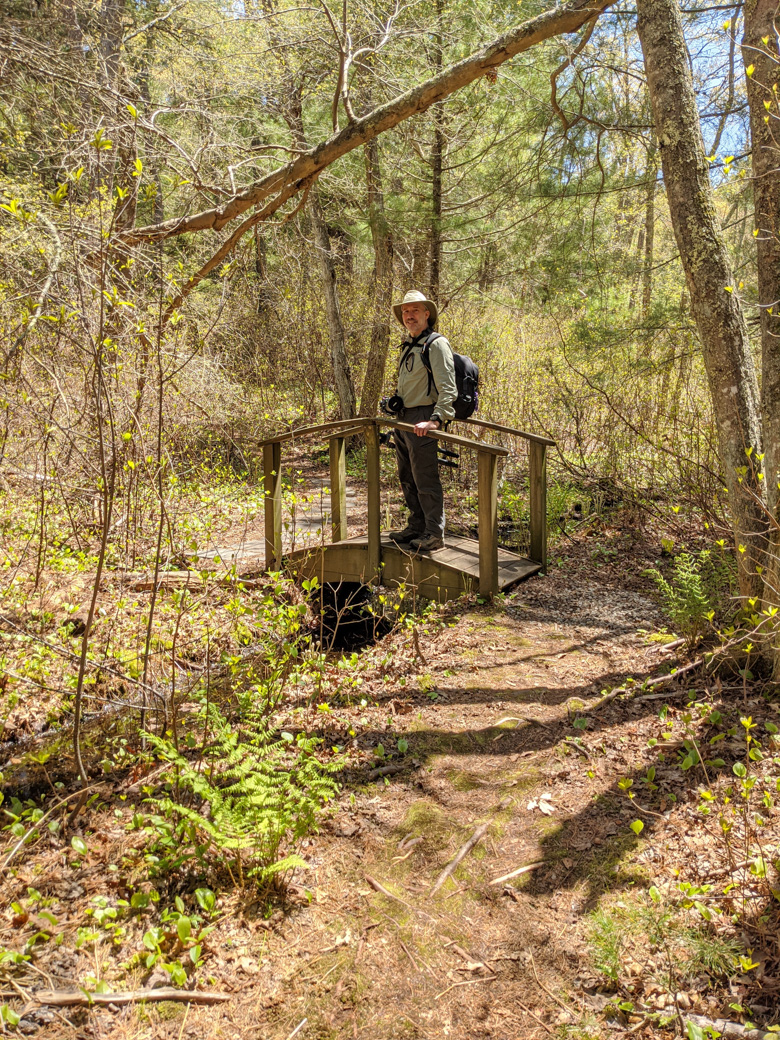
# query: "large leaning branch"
288,180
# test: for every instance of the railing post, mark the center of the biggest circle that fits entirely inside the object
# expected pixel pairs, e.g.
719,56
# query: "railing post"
372,474
537,478
488,523
272,466
338,488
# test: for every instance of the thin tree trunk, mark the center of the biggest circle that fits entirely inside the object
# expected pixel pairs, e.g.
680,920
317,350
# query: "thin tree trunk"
342,375
714,302
434,281
760,21
437,159
382,238
647,267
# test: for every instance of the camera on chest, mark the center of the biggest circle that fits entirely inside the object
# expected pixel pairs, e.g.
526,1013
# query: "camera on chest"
392,405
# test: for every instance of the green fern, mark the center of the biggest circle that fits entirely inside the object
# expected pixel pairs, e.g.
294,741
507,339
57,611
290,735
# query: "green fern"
697,584
264,793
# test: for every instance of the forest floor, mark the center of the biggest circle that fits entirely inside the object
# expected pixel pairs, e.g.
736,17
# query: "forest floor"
493,727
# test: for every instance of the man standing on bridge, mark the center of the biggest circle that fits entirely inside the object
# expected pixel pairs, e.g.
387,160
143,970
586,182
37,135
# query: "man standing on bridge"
428,396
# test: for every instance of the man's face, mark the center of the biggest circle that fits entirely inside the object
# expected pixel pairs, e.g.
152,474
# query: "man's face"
415,317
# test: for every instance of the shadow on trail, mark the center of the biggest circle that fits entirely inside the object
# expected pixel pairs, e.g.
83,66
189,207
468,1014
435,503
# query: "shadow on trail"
589,851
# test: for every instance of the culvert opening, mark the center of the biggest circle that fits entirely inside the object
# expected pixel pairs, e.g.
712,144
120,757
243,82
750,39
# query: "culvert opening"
349,615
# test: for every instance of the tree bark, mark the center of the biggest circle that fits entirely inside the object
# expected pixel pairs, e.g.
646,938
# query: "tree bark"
342,375
382,238
714,301
649,236
437,160
760,21
282,184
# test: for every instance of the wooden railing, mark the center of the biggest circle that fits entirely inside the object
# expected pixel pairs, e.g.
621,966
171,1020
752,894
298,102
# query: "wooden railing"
338,433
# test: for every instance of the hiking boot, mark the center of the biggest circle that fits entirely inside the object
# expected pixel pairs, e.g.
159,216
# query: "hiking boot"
427,543
405,536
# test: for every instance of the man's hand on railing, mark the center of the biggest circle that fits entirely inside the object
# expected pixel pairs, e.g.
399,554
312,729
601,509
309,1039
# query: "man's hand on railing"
421,428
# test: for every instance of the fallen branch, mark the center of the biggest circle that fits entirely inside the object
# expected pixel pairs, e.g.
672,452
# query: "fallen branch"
190,580
77,998
463,851
394,767
646,685
518,872
522,718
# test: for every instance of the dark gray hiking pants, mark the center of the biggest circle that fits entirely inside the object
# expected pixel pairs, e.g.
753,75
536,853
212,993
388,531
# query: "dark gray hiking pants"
418,471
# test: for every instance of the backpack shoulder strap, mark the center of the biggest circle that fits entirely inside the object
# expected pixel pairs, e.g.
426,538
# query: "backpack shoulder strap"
425,355
406,349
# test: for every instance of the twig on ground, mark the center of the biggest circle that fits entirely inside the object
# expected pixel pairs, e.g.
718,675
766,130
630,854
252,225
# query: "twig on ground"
468,982
663,696
536,1018
518,872
578,747
408,849
544,989
463,851
377,887
408,953
298,1028
78,998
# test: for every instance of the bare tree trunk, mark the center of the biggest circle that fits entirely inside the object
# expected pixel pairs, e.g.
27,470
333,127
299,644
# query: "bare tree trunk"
437,159
382,238
760,49
708,273
345,388
649,236
434,281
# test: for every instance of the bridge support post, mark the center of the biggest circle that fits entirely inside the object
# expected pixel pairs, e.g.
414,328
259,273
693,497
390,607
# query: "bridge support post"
272,466
372,474
338,488
537,466
487,480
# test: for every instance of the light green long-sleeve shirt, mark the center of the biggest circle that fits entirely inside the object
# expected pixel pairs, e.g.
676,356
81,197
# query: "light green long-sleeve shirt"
413,377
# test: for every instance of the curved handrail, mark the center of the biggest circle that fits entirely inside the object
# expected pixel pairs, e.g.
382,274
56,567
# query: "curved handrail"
450,438
535,438
304,431
362,421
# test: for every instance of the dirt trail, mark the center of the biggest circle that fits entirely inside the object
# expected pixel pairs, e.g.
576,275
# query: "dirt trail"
495,734
488,721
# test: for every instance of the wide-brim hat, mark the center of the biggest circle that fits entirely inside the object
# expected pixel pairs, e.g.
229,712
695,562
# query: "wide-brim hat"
413,296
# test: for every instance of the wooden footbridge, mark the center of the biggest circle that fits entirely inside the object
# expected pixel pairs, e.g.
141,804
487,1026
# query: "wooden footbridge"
463,565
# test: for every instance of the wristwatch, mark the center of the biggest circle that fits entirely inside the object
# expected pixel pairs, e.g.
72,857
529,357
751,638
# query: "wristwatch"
435,418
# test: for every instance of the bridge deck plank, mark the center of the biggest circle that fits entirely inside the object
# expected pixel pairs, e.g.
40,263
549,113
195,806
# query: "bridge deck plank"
444,574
